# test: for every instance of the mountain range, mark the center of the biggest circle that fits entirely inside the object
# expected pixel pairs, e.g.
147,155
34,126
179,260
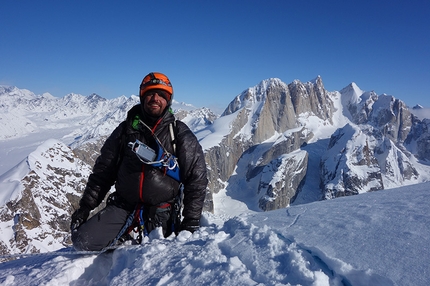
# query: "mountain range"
275,145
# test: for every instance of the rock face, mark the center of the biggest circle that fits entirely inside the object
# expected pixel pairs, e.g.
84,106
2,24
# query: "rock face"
38,213
269,109
389,115
419,139
281,180
371,153
349,166
375,147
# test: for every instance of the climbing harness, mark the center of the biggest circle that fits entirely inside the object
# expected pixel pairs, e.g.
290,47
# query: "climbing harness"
161,159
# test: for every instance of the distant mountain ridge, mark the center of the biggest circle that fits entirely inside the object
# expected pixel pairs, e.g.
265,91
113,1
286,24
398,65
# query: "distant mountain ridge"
374,142
275,144
24,112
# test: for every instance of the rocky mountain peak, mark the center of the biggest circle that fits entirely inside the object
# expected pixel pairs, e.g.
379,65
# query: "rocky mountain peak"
42,198
268,110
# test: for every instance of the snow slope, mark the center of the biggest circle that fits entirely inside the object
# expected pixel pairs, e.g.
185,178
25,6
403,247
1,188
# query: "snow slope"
379,238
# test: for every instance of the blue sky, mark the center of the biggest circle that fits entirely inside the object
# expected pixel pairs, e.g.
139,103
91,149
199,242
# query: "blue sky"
213,50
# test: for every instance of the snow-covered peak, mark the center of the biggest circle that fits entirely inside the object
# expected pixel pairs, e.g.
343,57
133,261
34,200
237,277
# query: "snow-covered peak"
420,111
73,97
49,155
316,80
351,94
95,97
253,95
176,106
47,95
13,93
383,102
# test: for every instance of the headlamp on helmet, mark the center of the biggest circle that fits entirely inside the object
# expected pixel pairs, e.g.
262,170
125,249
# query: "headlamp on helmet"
156,80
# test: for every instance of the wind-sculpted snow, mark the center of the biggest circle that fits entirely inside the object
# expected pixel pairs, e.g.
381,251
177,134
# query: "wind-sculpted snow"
378,238
238,253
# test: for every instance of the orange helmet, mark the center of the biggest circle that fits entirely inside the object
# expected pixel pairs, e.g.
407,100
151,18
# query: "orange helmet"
156,80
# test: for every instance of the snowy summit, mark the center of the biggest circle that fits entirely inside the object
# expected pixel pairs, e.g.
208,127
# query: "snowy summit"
379,238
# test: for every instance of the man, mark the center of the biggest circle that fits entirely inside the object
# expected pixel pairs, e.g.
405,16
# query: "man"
143,184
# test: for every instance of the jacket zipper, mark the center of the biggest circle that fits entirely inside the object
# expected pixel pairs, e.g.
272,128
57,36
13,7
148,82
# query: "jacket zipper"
142,175
142,179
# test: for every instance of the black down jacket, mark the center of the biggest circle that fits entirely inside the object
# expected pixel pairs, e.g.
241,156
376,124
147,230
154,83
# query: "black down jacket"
137,182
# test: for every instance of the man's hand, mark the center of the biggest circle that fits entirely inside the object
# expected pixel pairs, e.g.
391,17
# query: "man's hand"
79,217
190,224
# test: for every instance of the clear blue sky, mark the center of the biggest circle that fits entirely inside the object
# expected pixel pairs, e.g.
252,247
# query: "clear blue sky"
213,50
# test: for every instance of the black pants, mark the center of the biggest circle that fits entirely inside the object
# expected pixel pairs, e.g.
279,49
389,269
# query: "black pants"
101,229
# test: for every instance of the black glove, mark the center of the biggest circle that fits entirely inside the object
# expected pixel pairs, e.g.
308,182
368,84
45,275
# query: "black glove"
79,217
190,224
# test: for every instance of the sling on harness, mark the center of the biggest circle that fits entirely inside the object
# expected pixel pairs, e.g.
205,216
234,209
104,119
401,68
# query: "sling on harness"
135,221
161,159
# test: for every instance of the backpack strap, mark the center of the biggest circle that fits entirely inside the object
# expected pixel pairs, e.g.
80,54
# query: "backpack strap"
172,136
122,145
178,201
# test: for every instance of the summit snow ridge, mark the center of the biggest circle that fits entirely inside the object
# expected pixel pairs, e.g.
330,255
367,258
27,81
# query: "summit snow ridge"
348,241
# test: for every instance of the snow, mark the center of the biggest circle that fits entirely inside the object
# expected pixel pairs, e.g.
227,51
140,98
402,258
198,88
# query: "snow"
378,238
421,113
358,240
212,135
10,181
11,185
